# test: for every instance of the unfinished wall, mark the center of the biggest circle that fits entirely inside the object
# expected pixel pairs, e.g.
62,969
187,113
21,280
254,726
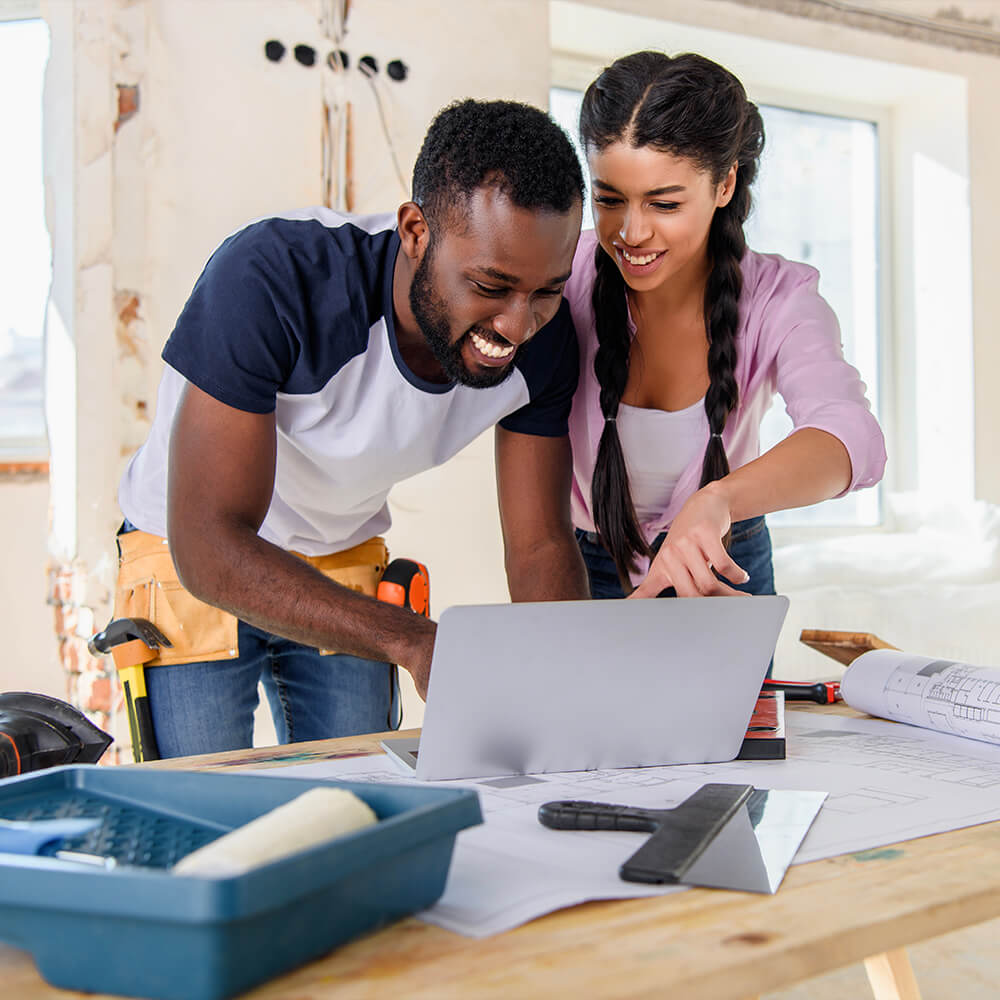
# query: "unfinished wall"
167,128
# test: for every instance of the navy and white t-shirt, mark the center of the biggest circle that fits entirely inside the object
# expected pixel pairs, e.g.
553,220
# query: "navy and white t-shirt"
294,315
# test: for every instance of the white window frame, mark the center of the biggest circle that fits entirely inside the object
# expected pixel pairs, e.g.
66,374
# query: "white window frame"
887,344
19,453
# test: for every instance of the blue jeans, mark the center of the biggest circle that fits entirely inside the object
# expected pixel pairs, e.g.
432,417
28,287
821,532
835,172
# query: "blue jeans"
209,707
750,548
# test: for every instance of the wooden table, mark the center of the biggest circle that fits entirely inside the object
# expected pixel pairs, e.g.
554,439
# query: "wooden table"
704,944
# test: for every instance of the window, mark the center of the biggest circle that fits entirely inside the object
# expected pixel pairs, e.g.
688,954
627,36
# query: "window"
816,201
25,255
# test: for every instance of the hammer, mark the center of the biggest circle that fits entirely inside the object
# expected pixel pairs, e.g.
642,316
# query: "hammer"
132,643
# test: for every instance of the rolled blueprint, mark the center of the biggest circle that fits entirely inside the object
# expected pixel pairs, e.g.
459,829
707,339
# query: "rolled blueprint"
317,815
956,698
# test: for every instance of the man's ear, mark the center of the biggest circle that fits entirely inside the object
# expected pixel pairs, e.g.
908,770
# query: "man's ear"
414,233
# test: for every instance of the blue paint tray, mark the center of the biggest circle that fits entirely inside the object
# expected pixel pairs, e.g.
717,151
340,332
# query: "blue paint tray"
140,931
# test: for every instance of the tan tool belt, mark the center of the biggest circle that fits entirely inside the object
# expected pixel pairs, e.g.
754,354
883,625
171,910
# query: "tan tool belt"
148,588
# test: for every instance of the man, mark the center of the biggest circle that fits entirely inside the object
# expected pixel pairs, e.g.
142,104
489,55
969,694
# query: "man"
319,360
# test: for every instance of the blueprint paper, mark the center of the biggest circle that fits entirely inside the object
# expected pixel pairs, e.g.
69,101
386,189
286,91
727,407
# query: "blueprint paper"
951,697
886,783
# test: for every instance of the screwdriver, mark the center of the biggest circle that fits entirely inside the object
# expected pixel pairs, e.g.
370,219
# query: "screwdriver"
821,692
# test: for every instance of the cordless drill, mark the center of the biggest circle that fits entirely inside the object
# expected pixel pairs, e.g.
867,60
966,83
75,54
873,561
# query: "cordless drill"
37,731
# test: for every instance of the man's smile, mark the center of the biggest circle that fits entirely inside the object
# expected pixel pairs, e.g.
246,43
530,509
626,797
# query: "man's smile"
490,351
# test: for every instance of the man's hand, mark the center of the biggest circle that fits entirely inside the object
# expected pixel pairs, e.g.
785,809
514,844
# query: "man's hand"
419,663
693,549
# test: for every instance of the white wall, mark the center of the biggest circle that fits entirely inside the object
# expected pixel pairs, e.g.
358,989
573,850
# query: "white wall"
30,659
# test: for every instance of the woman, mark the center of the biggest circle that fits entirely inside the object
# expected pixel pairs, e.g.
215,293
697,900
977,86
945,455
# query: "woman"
685,336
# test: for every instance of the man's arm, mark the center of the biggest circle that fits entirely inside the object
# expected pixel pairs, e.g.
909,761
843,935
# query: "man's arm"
534,476
221,478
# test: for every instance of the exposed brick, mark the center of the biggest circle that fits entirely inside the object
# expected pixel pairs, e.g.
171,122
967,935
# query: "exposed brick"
91,682
128,323
66,619
128,103
69,656
95,694
60,586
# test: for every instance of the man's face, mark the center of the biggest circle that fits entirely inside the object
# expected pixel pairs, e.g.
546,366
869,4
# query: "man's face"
490,278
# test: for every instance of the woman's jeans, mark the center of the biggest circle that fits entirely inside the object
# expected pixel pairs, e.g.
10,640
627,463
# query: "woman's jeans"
750,547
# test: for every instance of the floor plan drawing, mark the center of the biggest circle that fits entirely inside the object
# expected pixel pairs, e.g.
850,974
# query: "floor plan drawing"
937,694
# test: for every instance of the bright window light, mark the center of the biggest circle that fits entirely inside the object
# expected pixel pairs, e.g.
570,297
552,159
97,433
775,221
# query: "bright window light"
816,201
25,253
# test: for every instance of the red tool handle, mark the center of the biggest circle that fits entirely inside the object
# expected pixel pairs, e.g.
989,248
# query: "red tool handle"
822,692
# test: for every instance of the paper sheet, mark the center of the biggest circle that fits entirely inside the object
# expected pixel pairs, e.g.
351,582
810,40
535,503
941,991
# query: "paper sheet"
936,694
886,783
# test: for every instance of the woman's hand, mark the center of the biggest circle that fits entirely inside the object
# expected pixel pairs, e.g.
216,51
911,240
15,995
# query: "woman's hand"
693,548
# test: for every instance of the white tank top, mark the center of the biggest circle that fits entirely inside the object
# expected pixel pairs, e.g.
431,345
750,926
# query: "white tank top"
658,446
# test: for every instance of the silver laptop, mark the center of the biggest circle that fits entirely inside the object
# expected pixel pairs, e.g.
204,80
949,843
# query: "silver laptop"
578,685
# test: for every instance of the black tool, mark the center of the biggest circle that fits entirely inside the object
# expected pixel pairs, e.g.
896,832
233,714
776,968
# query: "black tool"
822,692
680,835
722,836
132,643
37,731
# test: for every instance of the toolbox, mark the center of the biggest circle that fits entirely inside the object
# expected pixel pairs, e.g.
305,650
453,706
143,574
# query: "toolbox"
138,930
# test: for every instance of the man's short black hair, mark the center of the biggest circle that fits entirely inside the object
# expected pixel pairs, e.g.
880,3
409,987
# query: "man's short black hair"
512,146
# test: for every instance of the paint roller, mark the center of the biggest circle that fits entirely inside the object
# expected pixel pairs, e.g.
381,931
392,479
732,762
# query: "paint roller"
316,816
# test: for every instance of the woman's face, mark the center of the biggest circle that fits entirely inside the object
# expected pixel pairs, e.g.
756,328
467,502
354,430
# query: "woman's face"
652,212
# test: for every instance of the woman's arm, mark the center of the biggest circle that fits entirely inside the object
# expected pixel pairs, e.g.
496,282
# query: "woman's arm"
836,446
807,467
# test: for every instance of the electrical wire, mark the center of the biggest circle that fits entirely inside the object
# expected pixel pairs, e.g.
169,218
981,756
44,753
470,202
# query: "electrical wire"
332,21
387,133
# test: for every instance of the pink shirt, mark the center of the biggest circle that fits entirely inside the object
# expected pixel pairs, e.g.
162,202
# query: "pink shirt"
788,342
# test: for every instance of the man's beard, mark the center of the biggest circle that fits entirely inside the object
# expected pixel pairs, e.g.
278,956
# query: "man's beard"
431,315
